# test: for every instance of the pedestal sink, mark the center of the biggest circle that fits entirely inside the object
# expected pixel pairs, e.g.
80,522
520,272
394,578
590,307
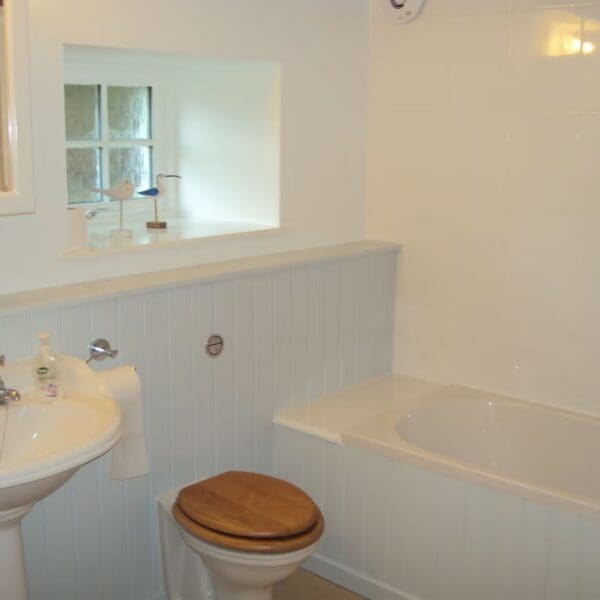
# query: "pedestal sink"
42,445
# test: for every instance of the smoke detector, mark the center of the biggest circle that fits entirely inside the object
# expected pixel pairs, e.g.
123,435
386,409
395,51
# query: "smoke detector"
403,11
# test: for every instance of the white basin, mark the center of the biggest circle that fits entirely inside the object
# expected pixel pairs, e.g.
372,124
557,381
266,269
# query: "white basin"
42,444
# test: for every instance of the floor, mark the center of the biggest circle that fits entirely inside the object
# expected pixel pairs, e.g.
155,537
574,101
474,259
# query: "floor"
306,586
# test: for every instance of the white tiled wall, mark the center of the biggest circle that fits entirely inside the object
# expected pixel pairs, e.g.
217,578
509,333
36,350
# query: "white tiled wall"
396,532
484,131
290,334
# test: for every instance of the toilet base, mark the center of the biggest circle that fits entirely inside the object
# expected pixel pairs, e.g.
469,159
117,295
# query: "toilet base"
243,575
185,576
225,591
235,582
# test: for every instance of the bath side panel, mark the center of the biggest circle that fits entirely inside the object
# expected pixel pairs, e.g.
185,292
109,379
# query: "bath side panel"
399,532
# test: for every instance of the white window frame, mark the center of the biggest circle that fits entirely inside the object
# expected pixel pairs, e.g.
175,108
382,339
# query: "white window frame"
105,143
107,73
18,199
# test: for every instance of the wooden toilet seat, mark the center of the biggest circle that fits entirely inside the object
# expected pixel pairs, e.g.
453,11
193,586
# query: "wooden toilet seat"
249,512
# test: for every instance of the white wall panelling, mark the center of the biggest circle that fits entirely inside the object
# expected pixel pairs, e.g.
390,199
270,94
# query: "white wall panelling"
396,532
290,333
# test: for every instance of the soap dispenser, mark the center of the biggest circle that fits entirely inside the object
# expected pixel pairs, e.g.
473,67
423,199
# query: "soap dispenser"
46,371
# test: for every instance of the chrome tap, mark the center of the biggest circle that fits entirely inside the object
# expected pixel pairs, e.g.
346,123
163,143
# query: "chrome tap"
8,394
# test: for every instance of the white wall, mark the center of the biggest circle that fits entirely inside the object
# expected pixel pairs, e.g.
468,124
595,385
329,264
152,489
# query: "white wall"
291,333
322,48
227,136
483,145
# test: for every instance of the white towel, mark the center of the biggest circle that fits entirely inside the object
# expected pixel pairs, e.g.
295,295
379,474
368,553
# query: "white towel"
129,455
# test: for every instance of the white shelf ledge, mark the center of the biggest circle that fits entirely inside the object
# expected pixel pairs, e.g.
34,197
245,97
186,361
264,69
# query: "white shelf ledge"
98,289
179,230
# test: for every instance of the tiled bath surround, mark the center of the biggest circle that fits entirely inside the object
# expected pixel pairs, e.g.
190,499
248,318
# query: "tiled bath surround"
398,532
483,137
291,332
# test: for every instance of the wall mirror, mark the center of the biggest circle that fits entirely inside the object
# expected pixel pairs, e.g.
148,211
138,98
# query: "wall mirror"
16,195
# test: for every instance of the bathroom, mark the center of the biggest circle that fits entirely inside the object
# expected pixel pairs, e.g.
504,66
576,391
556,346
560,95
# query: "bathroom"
431,205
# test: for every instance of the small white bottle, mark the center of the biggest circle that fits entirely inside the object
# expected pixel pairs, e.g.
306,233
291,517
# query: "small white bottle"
46,371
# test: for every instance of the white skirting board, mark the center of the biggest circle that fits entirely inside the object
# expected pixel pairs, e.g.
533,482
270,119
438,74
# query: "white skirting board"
353,580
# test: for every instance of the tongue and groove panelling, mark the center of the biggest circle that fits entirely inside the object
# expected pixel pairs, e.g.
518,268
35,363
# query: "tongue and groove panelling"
291,334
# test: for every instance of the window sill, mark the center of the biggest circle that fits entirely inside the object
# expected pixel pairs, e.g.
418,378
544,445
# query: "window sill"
180,230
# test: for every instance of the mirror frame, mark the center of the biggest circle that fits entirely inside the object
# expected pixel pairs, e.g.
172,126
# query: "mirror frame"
18,199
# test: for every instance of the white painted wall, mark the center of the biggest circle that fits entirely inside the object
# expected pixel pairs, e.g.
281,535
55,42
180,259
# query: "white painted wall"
322,48
483,137
227,135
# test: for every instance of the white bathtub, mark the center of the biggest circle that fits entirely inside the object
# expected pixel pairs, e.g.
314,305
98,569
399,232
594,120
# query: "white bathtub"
448,493
539,453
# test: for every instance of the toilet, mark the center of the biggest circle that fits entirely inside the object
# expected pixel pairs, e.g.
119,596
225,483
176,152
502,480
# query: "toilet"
234,536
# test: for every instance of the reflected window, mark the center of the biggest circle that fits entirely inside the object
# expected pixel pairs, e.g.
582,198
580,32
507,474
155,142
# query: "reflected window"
108,131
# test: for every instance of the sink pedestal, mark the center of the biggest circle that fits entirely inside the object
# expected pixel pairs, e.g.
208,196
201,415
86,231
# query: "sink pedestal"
13,582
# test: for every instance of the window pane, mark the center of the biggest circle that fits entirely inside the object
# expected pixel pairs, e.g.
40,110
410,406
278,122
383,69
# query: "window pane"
82,112
83,173
134,164
129,113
